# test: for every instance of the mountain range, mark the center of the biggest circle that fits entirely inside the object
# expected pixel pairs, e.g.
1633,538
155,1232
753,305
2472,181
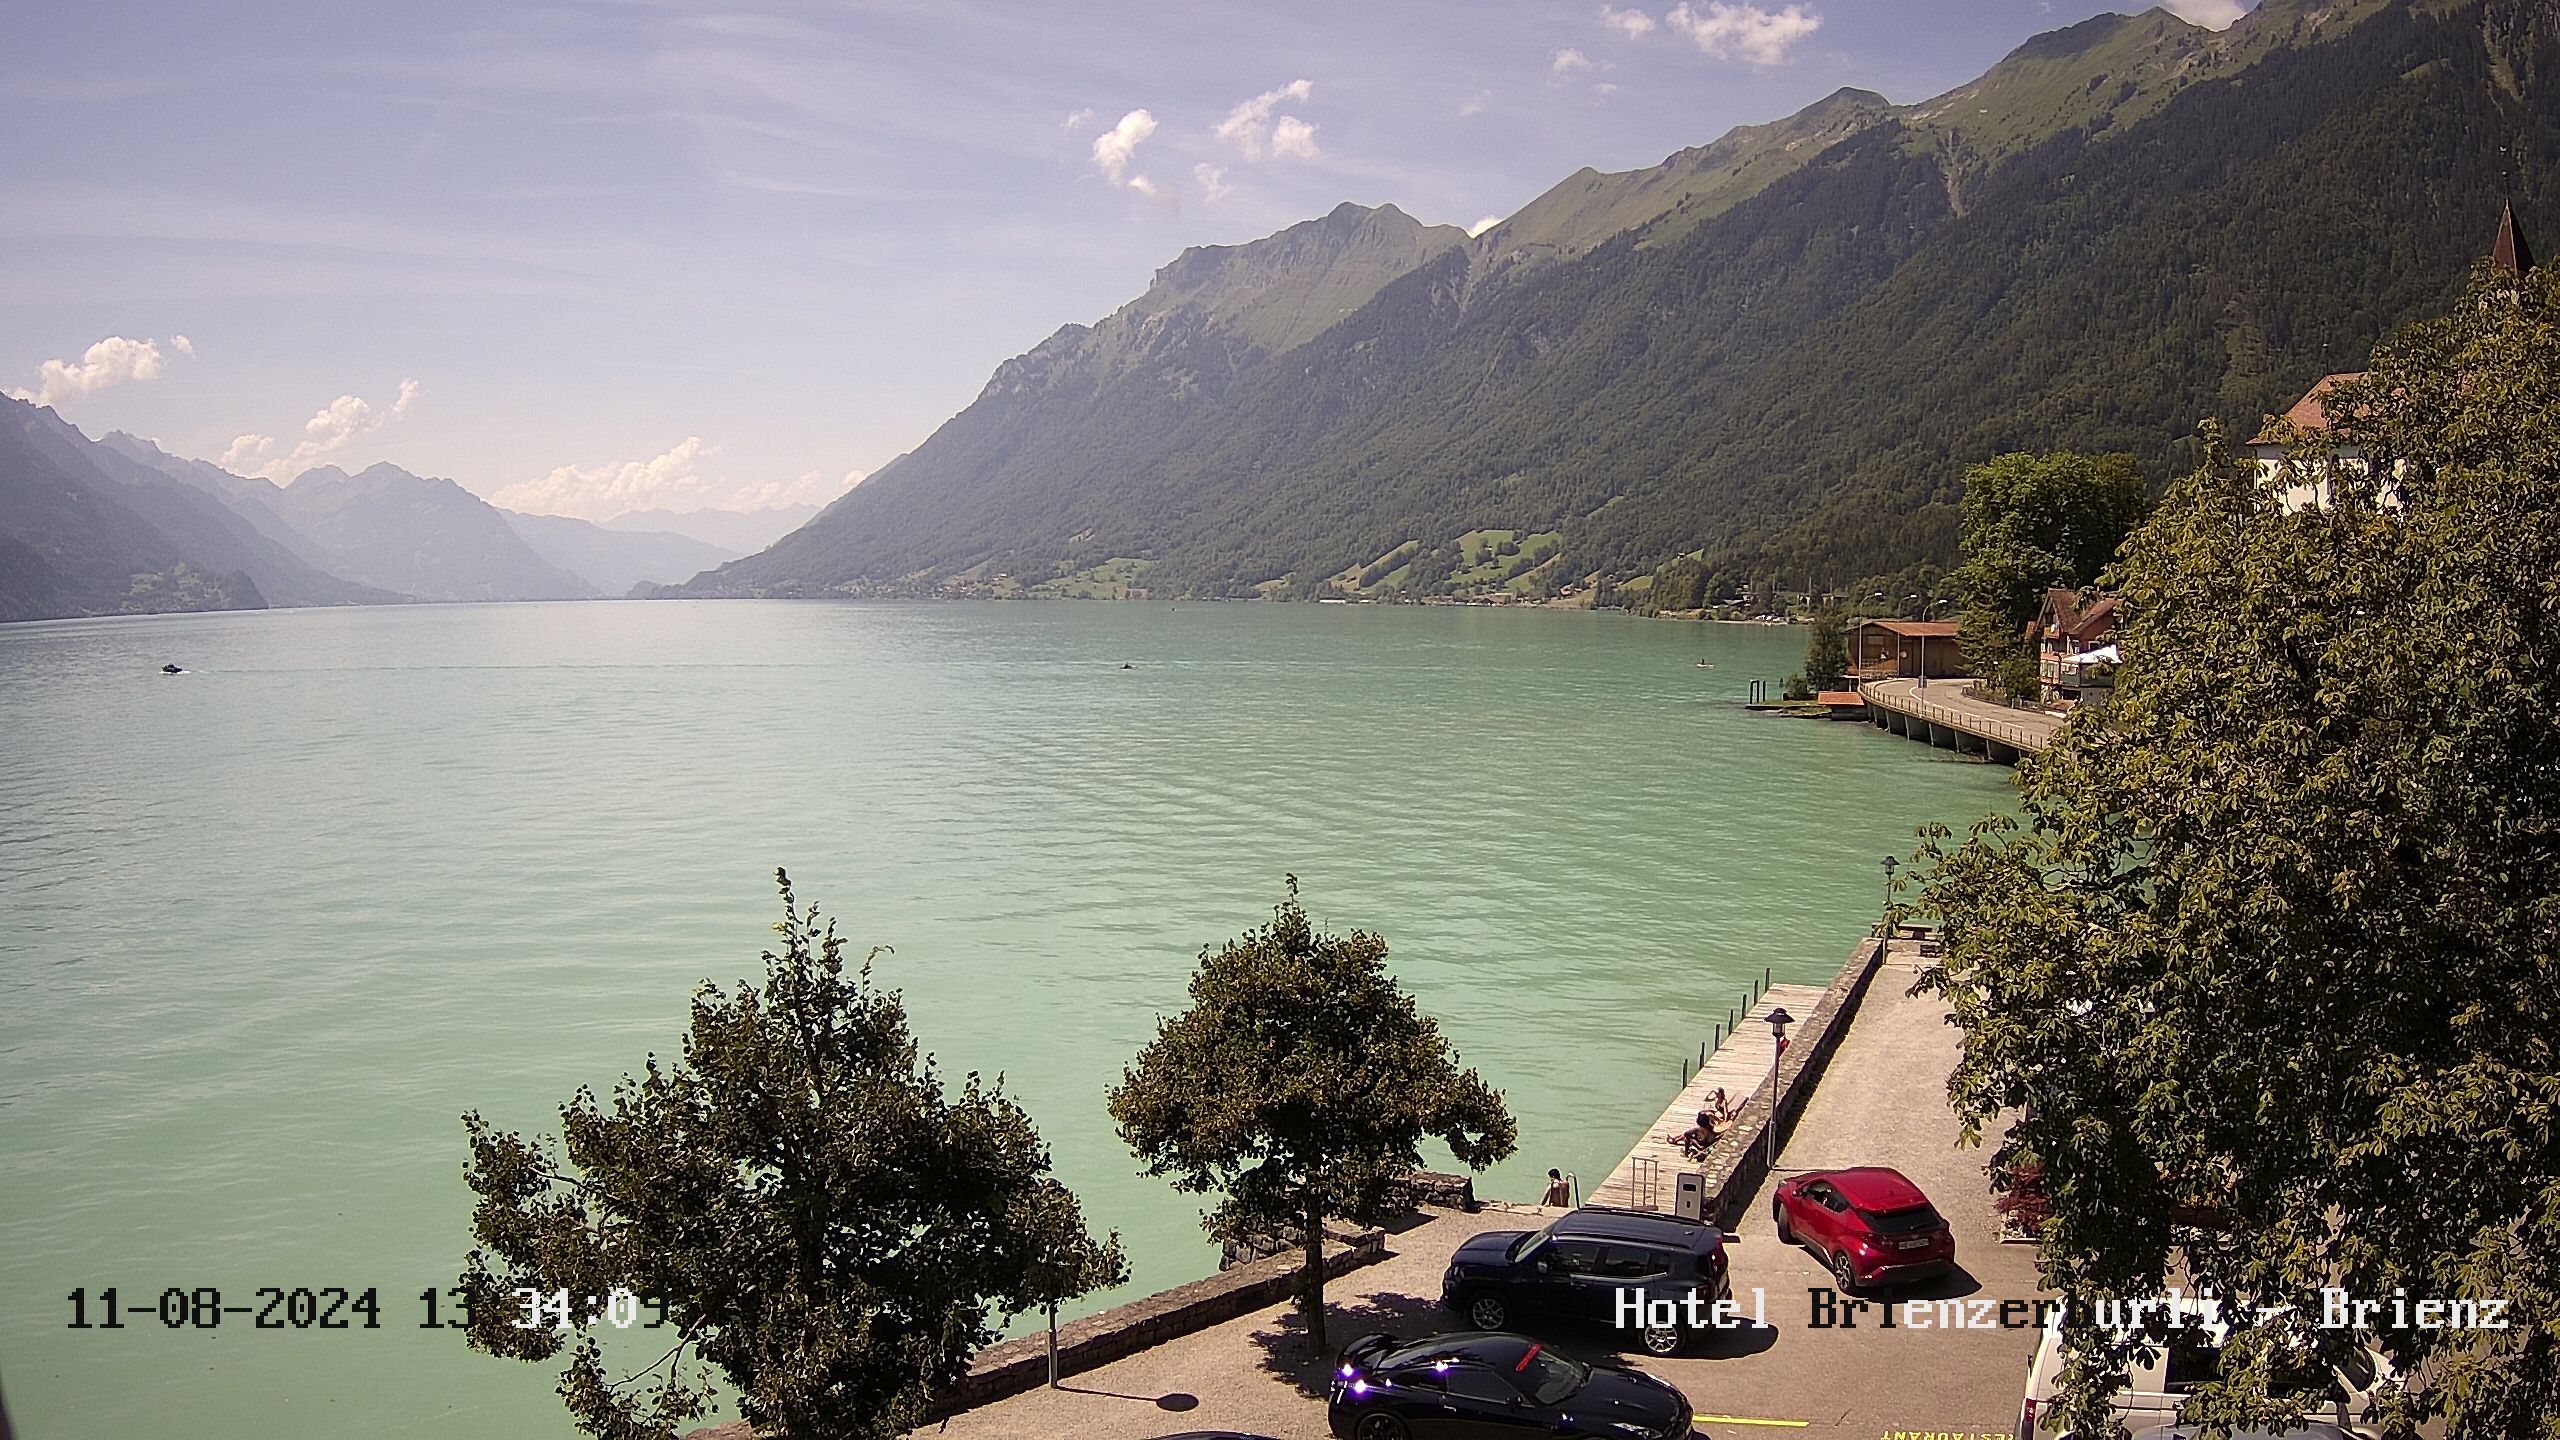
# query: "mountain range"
119,526
1773,353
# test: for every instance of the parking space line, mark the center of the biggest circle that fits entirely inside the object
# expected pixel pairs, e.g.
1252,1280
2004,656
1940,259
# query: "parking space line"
1748,1420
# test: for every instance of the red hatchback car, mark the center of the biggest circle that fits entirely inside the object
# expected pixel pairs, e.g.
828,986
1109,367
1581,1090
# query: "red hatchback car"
1870,1224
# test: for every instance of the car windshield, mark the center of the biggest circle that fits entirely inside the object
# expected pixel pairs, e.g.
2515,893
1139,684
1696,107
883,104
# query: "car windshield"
1901,1222
1550,1377
1407,1355
1529,1242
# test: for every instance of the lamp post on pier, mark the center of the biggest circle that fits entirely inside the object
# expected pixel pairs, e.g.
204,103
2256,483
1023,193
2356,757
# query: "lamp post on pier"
1779,1020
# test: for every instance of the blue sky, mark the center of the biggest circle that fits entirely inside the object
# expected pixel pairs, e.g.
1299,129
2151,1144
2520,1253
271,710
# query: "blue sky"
594,256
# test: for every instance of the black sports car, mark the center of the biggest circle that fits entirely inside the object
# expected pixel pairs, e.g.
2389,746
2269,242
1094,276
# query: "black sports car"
1488,1384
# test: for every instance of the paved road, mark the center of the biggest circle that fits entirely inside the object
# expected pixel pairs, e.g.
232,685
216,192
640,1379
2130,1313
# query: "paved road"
1881,1101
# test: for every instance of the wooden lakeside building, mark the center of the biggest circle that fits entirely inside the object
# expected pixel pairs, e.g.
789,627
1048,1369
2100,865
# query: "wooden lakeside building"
1907,649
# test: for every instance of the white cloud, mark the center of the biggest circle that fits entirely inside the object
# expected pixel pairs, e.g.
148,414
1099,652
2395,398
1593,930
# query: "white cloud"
1634,24
1251,128
1077,120
600,492
332,428
1475,104
1569,62
1744,32
1116,148
110,362
669,481
1213,184
1293,136
814,487
2211,14
1483,225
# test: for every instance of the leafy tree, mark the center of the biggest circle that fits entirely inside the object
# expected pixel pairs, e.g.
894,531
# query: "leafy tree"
2266,971
2032,522
824,1225
1826,650
1299,1087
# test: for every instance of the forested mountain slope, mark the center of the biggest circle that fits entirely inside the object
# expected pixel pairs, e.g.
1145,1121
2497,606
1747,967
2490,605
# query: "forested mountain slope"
2138,225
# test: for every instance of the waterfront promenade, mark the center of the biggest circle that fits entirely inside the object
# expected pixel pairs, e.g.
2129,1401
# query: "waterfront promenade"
1880,1100
1942,714
1647,1178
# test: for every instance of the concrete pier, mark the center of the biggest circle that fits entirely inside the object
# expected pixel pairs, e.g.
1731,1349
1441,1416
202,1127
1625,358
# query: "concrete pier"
1943,715
1645,1179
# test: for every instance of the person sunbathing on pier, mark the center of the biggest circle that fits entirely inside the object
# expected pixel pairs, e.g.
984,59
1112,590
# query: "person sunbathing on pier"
1713,1118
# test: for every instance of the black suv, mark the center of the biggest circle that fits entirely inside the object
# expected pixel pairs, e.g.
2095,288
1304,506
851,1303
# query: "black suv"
1584,1267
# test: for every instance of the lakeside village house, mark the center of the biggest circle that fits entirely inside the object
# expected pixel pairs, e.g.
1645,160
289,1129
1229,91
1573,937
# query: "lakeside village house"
1890,649
2076,660
2302,482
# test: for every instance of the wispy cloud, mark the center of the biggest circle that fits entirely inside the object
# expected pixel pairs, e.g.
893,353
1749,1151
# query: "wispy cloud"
1213,186
814,487
2211,14
1481,226
1634,24
336,426
1077,120
671,480
1115,151
1250,126
1568,62
1744,32
111,362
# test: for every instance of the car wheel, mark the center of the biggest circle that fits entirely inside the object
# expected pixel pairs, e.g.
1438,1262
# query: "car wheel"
1778,1213
1487,1313
1379,1425
1844,1273
1663,1340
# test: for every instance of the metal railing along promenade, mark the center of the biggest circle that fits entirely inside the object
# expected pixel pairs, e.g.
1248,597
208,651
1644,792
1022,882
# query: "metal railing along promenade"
1968,719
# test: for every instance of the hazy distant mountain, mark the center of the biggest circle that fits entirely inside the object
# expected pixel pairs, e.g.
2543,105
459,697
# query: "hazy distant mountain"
1780,349
252,499
72,543
425,537
740,532
615,560
289,566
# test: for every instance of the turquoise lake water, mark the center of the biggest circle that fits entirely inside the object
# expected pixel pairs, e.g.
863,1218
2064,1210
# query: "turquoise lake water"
268,928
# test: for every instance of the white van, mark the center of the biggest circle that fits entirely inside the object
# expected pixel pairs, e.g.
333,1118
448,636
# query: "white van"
2192,1356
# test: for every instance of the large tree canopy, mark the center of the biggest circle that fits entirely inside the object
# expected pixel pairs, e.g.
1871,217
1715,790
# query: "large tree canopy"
2031,522
1299,1087
2269,973
822,1223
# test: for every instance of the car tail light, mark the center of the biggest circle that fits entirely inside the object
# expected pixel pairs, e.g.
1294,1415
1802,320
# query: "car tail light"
2027,1421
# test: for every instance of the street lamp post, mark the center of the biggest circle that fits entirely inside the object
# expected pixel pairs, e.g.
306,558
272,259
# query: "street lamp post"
1779,1020
1885,933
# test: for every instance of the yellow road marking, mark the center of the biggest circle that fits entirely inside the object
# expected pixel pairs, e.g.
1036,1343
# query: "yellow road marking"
1748,1420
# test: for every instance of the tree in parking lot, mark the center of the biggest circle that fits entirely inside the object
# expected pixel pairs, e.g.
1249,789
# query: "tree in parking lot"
821,1221
2266,971
1298,1087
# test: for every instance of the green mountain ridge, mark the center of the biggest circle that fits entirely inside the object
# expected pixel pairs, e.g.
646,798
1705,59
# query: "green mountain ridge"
1796,381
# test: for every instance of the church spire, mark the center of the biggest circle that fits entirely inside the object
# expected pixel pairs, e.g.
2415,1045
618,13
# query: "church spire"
2509,252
